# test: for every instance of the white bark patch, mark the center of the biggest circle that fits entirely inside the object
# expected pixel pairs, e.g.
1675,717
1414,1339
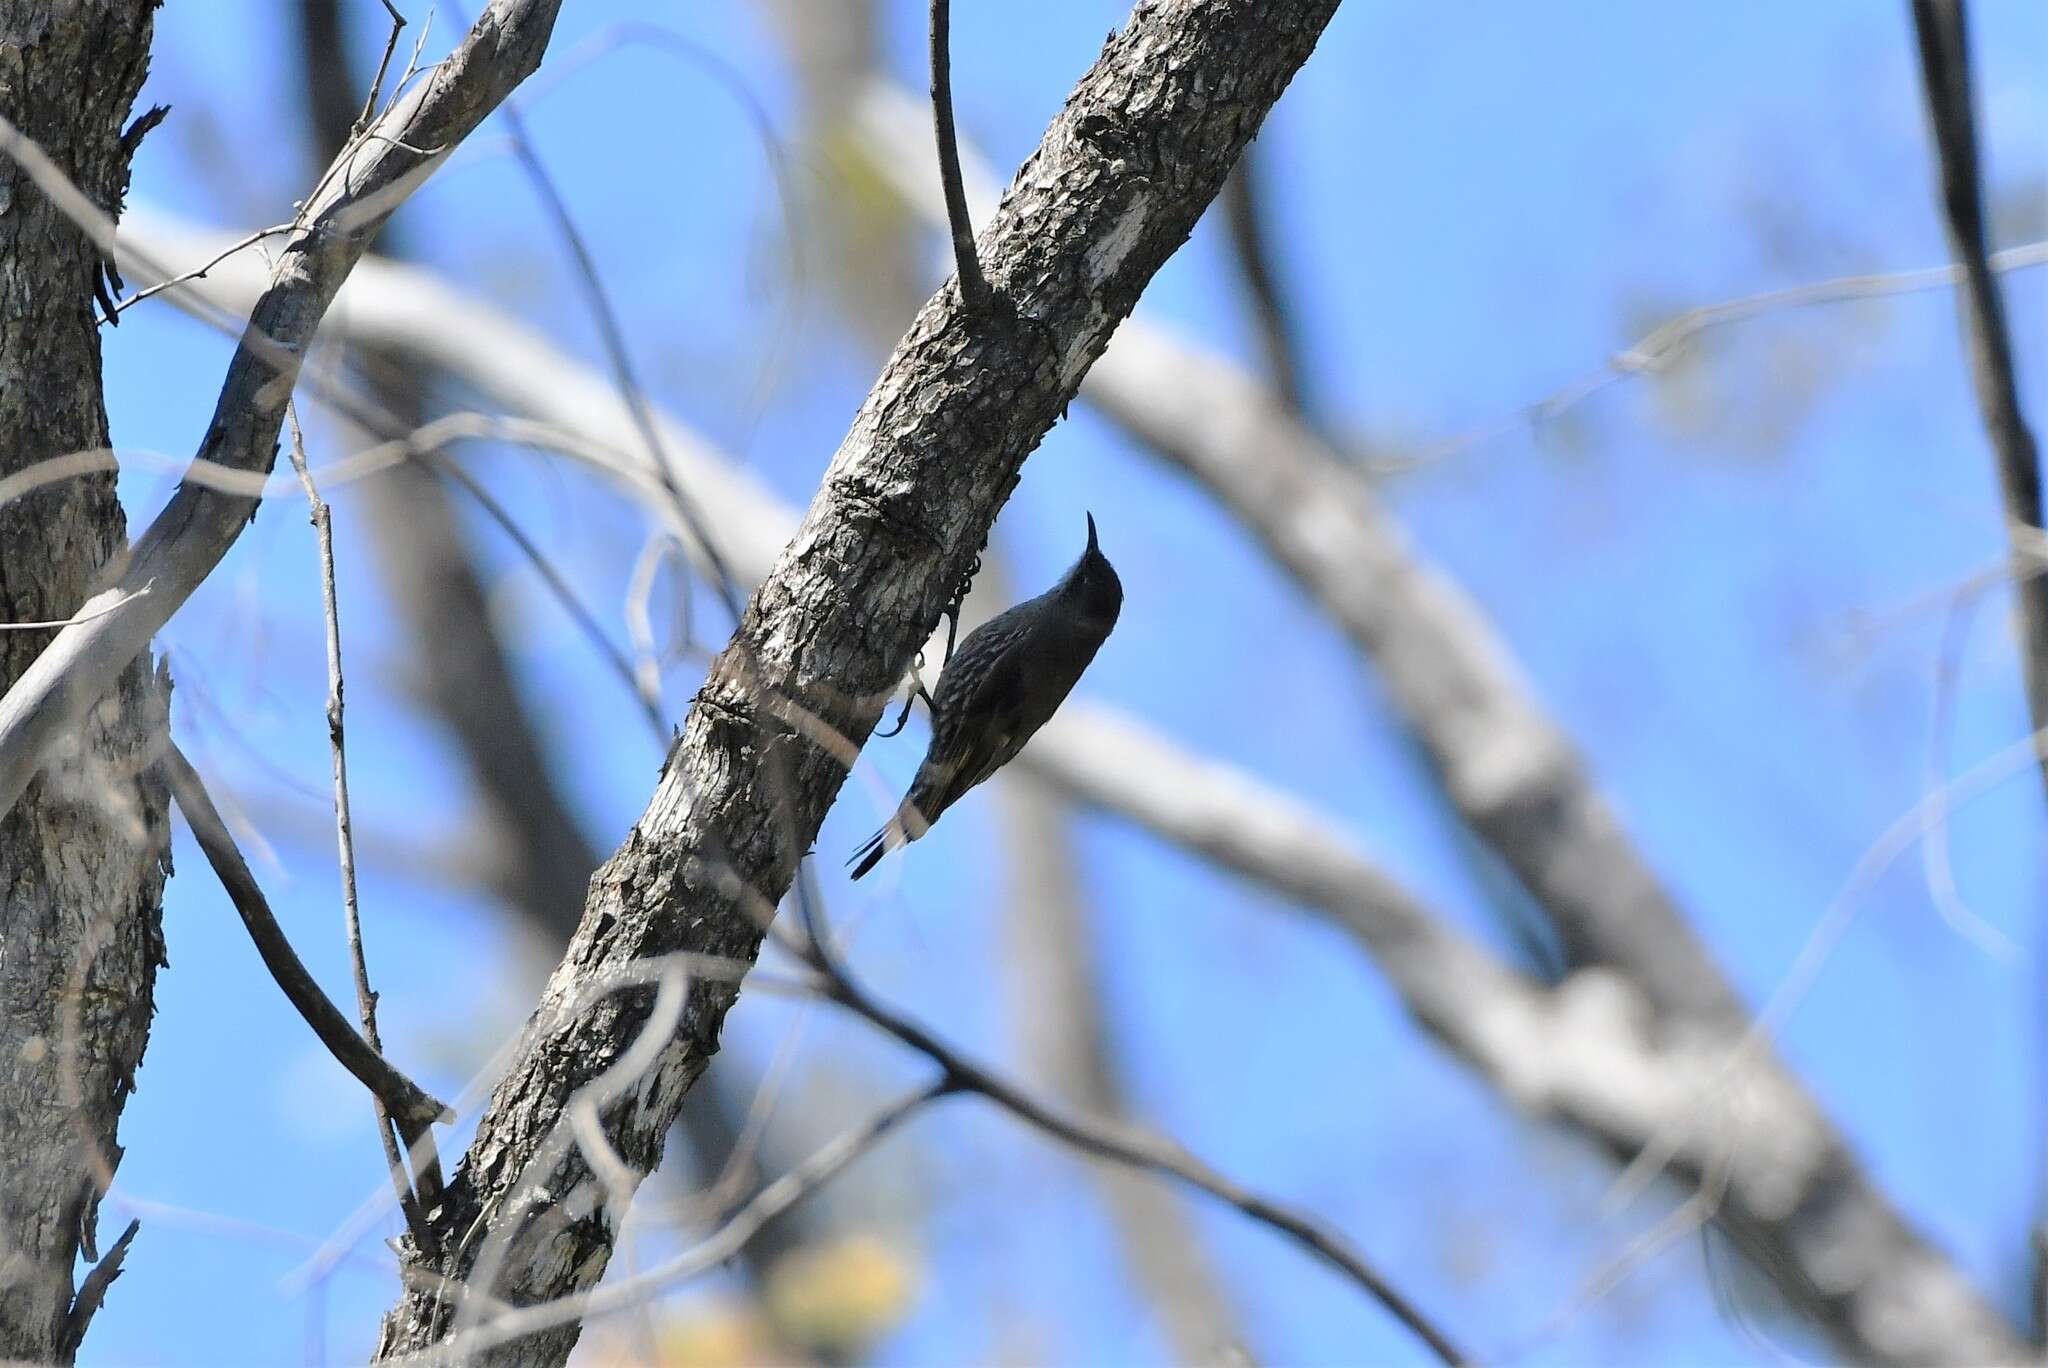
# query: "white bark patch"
1107,257
1099,264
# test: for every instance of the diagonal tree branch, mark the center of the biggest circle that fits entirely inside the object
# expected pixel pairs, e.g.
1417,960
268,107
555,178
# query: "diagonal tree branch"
1121,177
1508,768
1246,217
196,529
400,1095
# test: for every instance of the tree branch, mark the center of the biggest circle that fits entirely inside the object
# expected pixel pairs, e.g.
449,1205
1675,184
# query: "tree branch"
966,264
1119,181
191,535
1251,247
418,1134
399,1094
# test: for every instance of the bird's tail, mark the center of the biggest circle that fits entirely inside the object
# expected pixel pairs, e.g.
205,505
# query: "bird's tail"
871,851
906,826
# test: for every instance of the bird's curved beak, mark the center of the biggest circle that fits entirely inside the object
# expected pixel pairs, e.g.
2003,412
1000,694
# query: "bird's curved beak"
1092,548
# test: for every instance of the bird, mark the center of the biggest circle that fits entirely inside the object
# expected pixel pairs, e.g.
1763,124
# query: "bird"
1004,682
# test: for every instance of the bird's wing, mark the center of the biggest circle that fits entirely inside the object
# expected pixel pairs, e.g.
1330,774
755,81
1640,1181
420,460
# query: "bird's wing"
982,723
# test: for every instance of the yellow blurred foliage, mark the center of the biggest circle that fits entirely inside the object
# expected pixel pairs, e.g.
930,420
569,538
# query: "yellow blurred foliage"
841,1296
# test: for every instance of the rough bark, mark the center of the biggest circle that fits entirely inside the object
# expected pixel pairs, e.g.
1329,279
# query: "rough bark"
1117,184
188,539
83,855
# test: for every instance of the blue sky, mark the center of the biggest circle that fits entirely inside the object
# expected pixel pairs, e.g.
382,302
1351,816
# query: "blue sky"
1728,583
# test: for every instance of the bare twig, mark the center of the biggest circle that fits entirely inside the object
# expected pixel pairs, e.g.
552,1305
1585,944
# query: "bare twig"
414,1202
974,292
616,352
383,66
66,622
398,1093
1654,352
1123,1145
1068,1047
197,273
585,620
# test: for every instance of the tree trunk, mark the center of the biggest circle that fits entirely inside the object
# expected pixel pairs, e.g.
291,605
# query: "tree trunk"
83,856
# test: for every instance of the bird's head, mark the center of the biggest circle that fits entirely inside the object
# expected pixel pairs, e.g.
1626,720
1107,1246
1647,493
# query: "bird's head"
1093,585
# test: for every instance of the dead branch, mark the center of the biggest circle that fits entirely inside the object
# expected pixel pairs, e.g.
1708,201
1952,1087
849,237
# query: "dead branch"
414,1197
400,1095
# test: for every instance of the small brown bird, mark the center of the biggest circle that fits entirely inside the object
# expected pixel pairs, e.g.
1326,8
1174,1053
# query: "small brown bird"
1003,683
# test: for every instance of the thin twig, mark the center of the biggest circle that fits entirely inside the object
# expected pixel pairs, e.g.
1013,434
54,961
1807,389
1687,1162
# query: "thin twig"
1942,30
398,1093
383,66
1655,350
199,273
416,1203
86,615
614,337
974,291
585,620
1120,1144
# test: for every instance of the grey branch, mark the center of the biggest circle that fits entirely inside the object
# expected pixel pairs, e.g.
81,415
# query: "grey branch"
1590,1052
1511,772
196,529
1119,181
